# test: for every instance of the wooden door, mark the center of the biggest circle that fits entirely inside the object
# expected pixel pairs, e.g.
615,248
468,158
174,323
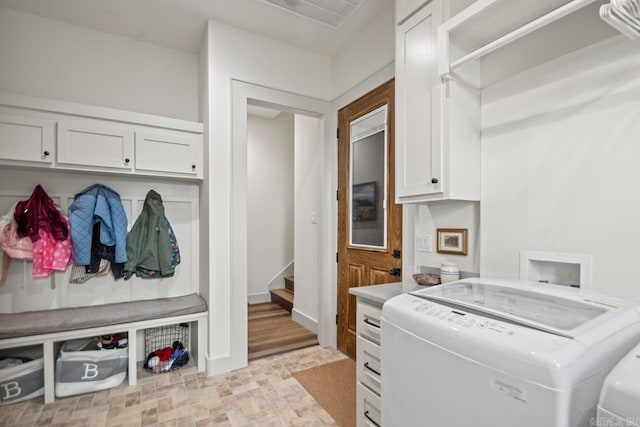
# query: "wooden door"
369,221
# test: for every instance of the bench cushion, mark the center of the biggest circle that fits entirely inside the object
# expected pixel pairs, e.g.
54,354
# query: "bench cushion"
31,323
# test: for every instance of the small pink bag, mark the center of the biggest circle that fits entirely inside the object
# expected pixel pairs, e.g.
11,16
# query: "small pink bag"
13,247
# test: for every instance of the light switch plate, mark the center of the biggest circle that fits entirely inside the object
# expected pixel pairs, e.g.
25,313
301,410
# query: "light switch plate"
425,243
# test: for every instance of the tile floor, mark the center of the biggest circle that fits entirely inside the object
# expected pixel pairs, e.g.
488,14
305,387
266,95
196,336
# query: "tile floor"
263,394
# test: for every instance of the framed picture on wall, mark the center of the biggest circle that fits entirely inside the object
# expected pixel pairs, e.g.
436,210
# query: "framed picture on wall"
452,241
363,201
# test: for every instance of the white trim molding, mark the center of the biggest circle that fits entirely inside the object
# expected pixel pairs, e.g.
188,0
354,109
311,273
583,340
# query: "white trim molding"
305,320
259,298
241,93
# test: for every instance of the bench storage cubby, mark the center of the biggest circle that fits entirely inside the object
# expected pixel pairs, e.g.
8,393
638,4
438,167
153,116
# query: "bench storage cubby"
81,368
50,329
21,381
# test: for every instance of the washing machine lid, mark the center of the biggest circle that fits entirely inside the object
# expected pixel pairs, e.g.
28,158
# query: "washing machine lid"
565,312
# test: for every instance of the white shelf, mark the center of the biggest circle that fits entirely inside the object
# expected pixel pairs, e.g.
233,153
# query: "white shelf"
488,25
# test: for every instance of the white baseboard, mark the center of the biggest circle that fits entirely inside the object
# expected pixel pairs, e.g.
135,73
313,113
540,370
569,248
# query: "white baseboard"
218,365
305,320
259,298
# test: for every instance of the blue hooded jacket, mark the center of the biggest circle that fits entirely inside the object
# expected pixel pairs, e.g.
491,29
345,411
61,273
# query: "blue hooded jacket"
98,203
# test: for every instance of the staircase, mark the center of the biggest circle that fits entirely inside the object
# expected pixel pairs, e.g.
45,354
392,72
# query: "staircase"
284,296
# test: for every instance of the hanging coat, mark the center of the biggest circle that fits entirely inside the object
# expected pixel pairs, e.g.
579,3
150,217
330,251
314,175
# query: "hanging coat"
152,248
98,204
38,211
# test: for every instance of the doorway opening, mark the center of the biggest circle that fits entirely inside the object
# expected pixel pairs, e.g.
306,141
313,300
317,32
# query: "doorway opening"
273,157
311,298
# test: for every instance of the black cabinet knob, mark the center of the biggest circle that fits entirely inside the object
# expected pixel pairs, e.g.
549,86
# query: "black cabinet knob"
434,180
127,160
46,153
193,166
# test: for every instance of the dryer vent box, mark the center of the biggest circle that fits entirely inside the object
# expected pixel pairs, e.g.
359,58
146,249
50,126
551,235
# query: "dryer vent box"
558,268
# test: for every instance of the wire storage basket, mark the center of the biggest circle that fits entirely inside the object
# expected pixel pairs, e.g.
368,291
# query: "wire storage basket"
167,347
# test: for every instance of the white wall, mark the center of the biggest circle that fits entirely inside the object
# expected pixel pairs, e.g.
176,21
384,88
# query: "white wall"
560,165
308,218
369,51
429,217
51,59
239,55
270,161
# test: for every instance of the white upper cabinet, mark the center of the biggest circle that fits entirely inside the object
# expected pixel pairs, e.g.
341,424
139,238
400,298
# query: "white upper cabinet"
168,152
437,122
404,8
418,140
26,139
93,144
96,139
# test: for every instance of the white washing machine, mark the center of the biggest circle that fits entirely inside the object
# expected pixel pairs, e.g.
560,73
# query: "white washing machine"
620,397
493,353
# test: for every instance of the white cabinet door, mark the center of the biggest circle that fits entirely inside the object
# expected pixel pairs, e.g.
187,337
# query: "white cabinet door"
404,8
91,145
169,153
29,139
418,105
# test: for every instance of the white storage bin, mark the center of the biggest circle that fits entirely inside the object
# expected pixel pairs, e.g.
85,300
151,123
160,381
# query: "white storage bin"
22,381
85,371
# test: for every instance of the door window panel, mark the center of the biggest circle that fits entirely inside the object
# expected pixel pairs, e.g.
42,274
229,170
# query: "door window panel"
368,180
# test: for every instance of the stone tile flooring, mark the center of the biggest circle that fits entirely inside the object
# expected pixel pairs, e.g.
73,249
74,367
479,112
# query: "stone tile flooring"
263,394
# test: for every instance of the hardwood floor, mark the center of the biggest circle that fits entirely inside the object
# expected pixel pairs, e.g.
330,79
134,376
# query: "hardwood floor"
272,331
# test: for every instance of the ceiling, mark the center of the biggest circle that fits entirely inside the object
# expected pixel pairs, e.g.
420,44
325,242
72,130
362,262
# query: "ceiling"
180,24
263,112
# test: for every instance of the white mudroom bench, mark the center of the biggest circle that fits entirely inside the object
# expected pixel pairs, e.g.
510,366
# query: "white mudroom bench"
47,327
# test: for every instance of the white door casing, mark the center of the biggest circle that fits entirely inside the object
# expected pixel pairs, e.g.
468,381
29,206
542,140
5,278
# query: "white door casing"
242,94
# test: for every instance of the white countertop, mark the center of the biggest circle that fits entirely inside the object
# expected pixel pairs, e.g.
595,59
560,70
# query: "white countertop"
379,294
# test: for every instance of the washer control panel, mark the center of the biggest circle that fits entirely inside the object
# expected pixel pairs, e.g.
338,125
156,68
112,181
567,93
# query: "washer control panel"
460,318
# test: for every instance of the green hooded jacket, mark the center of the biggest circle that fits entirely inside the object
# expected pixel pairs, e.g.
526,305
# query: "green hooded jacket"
152,249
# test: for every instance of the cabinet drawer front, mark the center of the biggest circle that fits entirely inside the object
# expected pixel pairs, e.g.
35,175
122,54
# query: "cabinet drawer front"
367,407
161,152
86,144
368,361
26,138
368,321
